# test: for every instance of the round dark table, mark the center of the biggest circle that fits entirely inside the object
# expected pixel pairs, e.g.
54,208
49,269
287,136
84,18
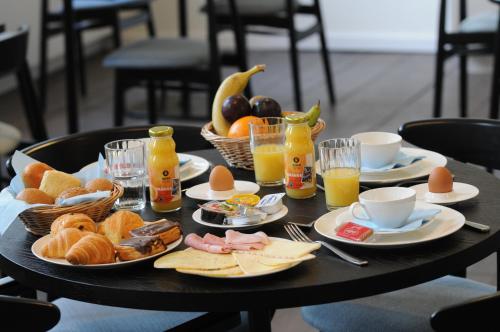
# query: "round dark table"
325,279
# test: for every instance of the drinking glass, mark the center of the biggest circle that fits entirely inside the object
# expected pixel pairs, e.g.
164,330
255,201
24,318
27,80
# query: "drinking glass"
125,161
267,143
340,162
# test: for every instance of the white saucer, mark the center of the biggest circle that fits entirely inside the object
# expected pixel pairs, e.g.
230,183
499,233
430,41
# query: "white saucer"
447,222
269,218
203,191
461,192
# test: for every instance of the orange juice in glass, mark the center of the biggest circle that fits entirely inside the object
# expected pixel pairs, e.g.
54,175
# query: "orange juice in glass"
340,161
267,139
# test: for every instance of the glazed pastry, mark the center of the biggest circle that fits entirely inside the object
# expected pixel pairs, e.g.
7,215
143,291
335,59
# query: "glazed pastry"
91,249
55,182
34,196
167,230
139,247
73,220
117,226
59,245
99,184
71,192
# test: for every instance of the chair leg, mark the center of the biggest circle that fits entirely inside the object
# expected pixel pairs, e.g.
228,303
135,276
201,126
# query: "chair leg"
151,102
42,80
31,104
150,22
81,63
186,101
325,56
463,86
438,88
119,103
295,64
495,79
117,39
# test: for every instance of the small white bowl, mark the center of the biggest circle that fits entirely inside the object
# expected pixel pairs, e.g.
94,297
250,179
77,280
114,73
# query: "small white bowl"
378,148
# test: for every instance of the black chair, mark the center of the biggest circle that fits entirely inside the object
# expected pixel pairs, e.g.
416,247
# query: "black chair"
475,36
495,83
269,17
89,15
446,304
154,62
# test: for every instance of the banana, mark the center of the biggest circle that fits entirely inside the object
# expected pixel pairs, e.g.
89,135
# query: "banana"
311,117
232,85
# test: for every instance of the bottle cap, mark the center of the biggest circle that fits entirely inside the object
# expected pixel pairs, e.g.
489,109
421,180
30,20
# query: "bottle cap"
161,131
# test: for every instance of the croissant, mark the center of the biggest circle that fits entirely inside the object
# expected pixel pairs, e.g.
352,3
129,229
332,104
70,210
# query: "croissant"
117,226
91,249
73,220
58,246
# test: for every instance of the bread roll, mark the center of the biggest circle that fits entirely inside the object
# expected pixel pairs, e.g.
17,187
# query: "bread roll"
100,184
55,182
59,245
117,226
33,174
71,192
34,196
91,249
73,220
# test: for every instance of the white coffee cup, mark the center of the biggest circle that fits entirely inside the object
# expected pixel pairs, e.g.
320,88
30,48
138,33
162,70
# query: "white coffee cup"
387,207
378,148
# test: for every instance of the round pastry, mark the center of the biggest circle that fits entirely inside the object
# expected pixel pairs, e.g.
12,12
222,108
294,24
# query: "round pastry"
99,184
33,174
73,220
34,196
117,226
71,192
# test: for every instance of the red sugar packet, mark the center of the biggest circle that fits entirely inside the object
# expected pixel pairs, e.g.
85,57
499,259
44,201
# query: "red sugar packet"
354,232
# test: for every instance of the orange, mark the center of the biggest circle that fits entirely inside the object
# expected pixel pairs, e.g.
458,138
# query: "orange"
240,128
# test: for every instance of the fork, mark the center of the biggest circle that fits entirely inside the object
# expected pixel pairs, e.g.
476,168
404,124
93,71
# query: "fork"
298,235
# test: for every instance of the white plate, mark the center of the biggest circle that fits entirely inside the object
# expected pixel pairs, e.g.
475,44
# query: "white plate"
36,248
203,191
196,167
446,222
417,170
461,192
269,218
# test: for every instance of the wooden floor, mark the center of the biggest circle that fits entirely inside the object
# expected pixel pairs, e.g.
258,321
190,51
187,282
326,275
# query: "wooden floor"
374,92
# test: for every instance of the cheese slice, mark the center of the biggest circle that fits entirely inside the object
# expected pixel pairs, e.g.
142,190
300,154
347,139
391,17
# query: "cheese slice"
229,272
195,259
250,264
271,261
282,248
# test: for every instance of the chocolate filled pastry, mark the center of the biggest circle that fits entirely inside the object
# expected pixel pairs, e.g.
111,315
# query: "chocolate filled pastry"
139,247
167,230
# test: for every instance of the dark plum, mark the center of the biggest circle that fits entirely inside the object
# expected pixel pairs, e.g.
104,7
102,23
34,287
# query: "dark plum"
235,107
266,107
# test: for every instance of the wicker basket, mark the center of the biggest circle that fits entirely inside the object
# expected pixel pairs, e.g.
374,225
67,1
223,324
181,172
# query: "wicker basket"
236,151
37,220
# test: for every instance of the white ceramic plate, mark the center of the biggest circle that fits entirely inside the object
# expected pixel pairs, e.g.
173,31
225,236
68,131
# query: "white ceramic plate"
416,170
461,192
447,222
269,218
196,166
203,191
36,248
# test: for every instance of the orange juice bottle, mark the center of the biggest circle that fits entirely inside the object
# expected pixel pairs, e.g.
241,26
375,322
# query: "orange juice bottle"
300,173
163,168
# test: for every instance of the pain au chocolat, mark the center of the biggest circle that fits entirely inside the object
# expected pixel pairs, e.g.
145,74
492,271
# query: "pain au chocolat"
167,230
139,247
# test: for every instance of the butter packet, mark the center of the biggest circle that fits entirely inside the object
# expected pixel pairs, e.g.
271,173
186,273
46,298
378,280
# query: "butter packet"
271,204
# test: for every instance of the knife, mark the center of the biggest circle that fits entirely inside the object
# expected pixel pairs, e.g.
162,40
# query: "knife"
477,226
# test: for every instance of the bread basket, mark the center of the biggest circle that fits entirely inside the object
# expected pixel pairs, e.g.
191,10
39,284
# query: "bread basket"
236,151
37,220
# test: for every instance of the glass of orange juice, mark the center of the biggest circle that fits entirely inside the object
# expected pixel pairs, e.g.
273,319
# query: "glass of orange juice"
340,162
267,139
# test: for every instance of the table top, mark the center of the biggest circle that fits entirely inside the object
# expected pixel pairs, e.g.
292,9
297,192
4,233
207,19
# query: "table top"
324,279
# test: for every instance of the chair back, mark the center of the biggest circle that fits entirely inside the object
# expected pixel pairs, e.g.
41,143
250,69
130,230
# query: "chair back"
22,314
71,153
13,47
475,141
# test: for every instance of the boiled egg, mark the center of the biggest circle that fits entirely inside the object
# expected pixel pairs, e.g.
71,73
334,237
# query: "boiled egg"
221,179
440,180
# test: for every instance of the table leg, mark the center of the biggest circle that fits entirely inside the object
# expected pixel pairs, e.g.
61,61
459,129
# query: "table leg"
69,44
259,320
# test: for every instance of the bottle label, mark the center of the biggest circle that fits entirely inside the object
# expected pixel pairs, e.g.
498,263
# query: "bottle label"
165,185
299,171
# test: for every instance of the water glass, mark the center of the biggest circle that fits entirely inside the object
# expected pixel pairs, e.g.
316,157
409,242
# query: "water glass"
267,143
340,162
125,161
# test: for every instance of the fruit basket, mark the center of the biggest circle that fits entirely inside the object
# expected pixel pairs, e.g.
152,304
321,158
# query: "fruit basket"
236,151
37,220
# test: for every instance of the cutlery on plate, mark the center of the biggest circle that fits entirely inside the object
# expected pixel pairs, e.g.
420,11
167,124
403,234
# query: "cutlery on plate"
477,226
308,225
320,187
298,235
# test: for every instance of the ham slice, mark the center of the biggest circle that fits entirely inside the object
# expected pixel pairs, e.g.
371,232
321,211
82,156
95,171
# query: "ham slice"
233,237
212,239
246,246
196,242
